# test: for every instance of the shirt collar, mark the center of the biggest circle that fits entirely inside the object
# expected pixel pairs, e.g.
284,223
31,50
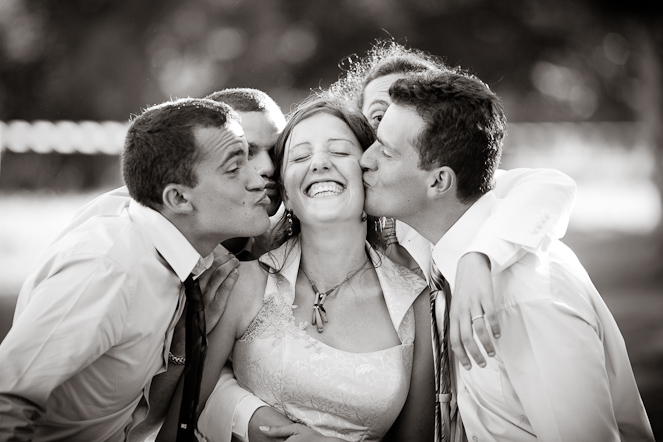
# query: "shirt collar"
453,245
169,242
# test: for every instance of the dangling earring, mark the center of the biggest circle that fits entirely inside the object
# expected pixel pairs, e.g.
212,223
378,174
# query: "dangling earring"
364,217
288,217
379,224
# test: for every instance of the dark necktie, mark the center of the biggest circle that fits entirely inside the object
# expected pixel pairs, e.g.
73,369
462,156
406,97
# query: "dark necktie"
196,347
447,419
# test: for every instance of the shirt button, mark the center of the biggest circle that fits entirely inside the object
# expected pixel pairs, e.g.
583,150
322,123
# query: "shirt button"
475,439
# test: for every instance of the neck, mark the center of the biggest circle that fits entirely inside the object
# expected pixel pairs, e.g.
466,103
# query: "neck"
434,222
204,244
331,252
235,245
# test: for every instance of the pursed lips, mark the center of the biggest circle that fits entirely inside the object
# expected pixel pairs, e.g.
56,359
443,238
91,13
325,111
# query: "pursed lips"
264,199
271,188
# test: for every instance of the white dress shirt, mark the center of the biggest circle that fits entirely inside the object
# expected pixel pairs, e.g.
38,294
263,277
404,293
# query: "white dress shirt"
93,325
561,371
537,206
235,397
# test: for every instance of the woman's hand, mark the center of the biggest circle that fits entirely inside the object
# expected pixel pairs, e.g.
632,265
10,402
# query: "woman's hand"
216,284
472,305
297,433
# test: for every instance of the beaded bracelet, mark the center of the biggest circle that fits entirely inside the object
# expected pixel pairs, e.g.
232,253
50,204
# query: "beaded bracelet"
177,360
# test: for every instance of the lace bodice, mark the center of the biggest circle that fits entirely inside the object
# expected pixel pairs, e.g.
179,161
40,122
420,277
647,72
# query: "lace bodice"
352,396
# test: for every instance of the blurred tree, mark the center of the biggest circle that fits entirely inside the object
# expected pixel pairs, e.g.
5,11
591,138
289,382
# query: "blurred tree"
567,60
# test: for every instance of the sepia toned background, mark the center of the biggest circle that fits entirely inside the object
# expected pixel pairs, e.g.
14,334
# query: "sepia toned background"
581,80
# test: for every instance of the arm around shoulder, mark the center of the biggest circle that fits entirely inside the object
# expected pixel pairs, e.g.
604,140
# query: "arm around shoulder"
534,206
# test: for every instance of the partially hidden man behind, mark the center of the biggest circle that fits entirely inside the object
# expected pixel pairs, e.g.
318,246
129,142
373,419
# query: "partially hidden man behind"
94,320
561,371
262,122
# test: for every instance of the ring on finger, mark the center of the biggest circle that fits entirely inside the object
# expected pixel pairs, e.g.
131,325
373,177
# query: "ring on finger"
474,318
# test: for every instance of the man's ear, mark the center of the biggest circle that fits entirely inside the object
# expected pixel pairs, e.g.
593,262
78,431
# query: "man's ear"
441,181
175,198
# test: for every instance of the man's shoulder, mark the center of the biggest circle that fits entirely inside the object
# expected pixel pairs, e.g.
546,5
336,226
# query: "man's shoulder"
114,238
554,275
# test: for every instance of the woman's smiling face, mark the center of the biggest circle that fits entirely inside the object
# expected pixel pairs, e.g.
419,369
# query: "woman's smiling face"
321,172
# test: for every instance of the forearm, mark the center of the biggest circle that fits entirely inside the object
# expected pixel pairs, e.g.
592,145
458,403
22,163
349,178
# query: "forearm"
163,385
17,418
162,391
265,417
228,410
534,206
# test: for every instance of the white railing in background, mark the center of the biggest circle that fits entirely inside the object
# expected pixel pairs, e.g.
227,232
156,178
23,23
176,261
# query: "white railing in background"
87,137
107,137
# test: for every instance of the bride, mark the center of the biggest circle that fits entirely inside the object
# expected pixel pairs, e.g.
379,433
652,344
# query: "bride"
323,328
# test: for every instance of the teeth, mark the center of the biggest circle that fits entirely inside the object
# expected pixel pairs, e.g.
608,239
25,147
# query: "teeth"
326,188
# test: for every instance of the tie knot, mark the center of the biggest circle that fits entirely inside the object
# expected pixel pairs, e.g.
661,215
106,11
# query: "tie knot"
194,295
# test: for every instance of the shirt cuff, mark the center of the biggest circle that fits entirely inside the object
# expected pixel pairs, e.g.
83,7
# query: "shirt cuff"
500,252
243,413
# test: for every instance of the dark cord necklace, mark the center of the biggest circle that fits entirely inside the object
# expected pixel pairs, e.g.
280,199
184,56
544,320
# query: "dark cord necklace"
319,312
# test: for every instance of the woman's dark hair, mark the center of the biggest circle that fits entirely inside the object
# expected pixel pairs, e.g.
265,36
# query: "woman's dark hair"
360,128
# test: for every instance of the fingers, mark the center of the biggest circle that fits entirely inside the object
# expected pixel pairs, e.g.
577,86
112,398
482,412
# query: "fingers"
218,261
280,431
224,267
479,325
457,345
491,317
467,338
218,290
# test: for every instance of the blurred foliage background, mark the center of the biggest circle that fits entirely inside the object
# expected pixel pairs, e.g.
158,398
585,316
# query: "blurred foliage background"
582,82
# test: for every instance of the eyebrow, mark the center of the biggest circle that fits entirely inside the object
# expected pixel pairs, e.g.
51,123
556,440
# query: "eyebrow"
374,102
236,152
339,139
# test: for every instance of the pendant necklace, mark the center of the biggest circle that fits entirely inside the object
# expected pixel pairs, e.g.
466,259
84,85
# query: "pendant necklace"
319,312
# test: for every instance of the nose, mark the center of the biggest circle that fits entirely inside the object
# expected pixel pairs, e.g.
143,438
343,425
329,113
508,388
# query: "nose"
367,160
254,182
263,164
320,162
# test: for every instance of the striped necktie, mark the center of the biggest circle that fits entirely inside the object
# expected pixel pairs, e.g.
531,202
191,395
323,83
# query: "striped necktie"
196,348
448,425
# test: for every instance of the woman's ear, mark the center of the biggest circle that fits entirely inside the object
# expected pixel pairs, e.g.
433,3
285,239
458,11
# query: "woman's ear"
176,198
441,181
285,200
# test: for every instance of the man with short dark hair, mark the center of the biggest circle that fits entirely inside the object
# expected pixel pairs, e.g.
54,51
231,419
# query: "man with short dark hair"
94,321
561,371
262,121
